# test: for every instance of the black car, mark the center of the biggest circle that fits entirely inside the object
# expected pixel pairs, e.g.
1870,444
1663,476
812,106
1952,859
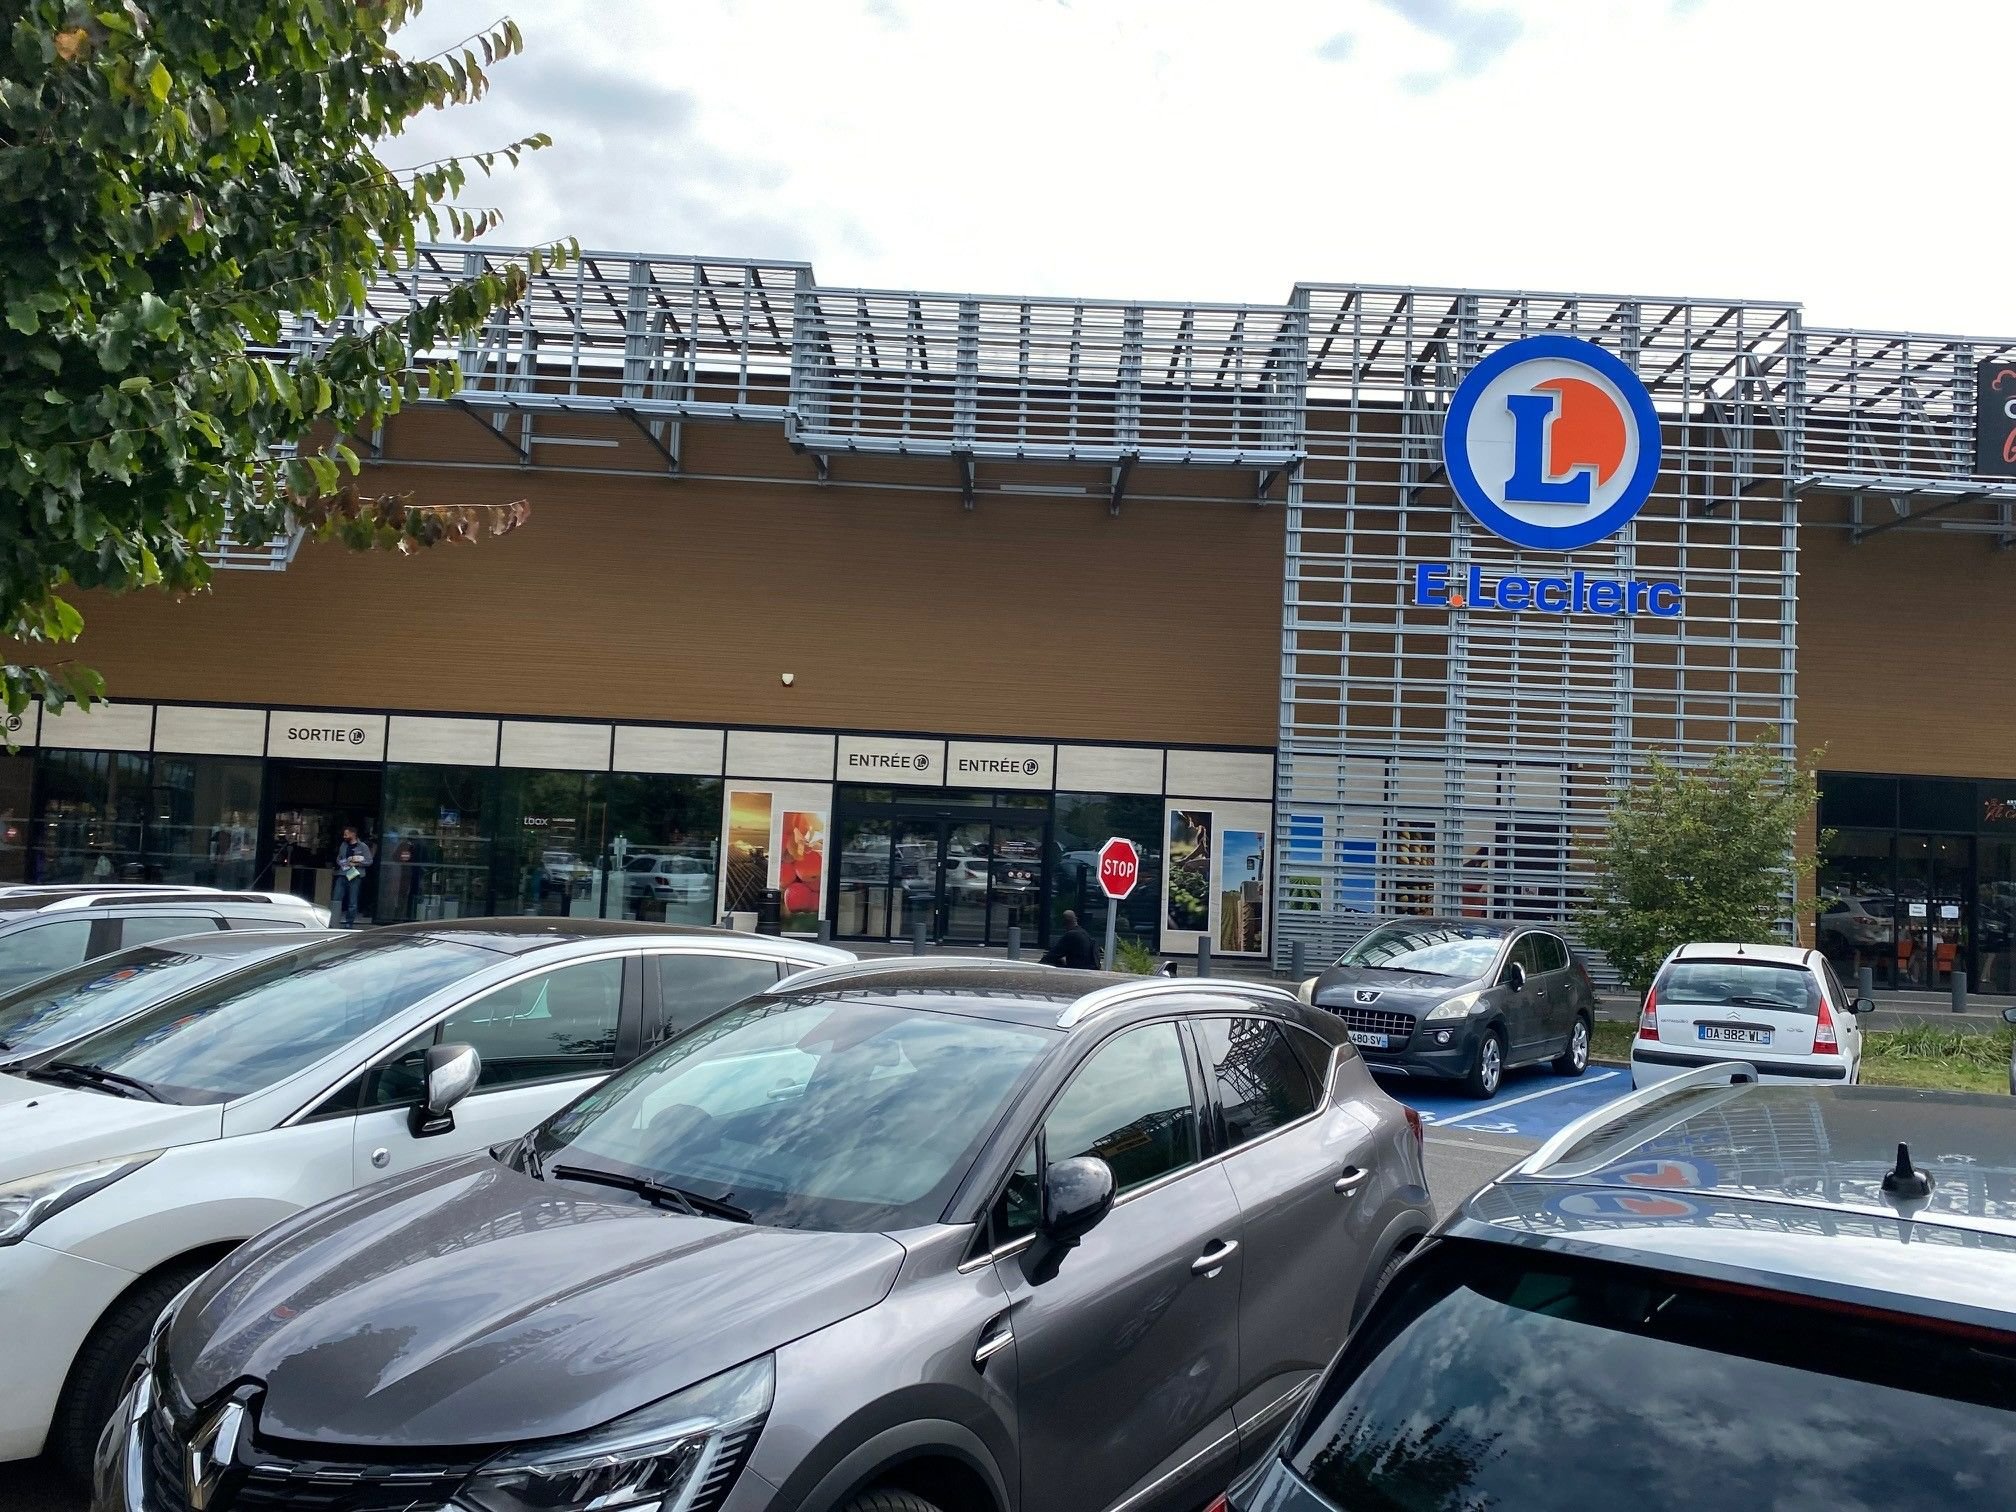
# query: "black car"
1708,1294
1461,999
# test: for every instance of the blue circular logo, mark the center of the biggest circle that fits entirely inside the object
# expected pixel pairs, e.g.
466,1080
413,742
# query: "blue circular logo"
1551,443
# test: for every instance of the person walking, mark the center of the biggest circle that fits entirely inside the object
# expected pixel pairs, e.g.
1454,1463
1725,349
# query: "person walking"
1074,947
353,859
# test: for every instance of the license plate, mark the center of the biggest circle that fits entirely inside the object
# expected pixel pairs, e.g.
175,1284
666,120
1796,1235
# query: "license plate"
1730,1035
1368,1039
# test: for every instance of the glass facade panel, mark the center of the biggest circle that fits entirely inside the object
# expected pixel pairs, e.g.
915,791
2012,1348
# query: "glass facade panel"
434,862
91,814
663,838
1084,822
1856,893
861,893
549,840
17,783
203,827
1852,800
1994,914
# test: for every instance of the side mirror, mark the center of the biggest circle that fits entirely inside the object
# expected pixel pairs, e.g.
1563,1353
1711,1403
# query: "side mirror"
1077,1194
1863,1005
2009,1015
451,1076
1515,976
1307,991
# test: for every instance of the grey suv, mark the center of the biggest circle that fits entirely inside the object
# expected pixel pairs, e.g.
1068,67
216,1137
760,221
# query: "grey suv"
1708,1294
966,1236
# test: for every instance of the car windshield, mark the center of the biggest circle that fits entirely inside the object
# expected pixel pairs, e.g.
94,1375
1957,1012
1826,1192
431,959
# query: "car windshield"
259,1026
806,1114
1450,950
79,1002
1754,984
1492,1379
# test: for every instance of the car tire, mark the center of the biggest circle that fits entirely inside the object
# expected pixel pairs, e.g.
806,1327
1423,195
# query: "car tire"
1575,1059
889,1501
1487,1066
91,1393
1378,1288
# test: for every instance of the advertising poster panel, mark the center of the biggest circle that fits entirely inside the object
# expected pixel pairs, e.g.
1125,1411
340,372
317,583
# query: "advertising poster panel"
775,835
1215,882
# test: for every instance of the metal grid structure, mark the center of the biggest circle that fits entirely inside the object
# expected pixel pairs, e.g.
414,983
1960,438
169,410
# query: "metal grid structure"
1888,422
1443,761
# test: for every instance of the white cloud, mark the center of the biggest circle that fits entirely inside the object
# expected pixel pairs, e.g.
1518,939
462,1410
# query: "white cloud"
1184,149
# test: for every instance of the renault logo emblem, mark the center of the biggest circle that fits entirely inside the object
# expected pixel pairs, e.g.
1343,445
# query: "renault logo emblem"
213,1449
1365,995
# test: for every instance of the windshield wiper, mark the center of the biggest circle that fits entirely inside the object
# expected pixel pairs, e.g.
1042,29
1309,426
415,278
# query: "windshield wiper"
693,1203
1763,1002
76,1073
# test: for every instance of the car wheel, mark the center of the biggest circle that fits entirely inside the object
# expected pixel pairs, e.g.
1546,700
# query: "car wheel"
1575,1059
890,1501
97,1375
1487,1066
1378,1288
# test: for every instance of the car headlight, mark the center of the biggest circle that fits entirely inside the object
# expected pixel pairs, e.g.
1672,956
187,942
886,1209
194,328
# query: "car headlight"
25,1203
1456,1007
640,1463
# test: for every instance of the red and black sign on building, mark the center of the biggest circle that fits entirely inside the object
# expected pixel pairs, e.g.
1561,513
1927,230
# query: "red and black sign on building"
1995,419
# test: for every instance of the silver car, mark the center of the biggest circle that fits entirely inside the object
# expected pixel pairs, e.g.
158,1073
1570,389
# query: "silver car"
893,1237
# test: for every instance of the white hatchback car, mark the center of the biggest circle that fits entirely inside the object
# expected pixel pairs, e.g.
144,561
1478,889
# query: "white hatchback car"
134,1159
1778,1007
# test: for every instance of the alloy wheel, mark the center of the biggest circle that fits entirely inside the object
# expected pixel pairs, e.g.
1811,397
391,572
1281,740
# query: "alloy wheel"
1578,1045
1490,1064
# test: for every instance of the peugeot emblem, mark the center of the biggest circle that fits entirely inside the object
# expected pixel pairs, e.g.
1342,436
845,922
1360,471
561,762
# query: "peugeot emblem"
1365,995
213,1448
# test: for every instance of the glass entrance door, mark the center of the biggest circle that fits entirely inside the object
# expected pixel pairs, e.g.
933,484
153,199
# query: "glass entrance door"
1933,908
966,876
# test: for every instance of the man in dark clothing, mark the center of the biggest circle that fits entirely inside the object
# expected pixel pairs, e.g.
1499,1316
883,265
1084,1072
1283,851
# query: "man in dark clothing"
1074,947
353,858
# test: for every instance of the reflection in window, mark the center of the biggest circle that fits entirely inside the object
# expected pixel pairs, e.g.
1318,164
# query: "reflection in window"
559,1023
434,857
1129,1105
1083,823
204,824
1262,1083
91,811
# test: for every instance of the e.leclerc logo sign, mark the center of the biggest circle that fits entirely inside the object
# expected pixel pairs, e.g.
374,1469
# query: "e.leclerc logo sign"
1552,444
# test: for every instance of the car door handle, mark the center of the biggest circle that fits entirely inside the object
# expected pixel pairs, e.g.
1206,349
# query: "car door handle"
1213,1260
994,1338
1352,1179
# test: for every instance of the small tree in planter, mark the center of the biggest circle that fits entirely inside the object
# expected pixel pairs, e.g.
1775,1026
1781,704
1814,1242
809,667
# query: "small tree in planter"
1698,853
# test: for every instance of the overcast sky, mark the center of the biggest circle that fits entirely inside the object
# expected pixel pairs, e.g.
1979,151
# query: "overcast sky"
1859,157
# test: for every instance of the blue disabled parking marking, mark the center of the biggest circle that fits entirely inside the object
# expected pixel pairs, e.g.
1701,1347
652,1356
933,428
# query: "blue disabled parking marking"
1531,1104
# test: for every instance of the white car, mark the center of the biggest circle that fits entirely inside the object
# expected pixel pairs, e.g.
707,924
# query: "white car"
134,1159
1779,1007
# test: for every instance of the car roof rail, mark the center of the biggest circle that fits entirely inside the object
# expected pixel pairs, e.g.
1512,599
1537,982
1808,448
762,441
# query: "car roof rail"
1106,999
819,976
107,899
1719,1074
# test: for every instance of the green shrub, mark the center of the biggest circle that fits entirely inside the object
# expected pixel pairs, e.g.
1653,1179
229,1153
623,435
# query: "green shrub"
1130,953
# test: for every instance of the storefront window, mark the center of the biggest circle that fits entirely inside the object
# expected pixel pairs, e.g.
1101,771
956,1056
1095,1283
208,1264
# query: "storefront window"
203,825
549,839
17,779
662,847
1854,887
90,817
1084,822
434,857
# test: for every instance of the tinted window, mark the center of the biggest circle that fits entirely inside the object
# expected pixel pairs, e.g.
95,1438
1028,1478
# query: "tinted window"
1752,984
1130,1105
1553,954
1526,954
101,992
42,948
813,1114
1652,1392
1262,1084
139,931
694,987
258,1026
1451,950
559,1023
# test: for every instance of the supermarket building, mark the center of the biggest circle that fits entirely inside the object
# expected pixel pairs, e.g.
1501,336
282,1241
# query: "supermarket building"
898,604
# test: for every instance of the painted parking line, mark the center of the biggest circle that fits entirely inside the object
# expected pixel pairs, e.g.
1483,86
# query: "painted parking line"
1532,1104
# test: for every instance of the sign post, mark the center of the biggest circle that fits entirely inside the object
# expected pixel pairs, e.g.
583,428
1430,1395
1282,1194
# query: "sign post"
1119,874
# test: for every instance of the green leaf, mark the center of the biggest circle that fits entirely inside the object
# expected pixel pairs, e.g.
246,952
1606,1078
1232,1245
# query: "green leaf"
158,83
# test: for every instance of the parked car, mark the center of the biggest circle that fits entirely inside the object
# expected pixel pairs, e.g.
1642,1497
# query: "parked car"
905,1236
132,1160
1462,999
668,879
51,929
70,1005
1857,924
1779,1007
1707,1294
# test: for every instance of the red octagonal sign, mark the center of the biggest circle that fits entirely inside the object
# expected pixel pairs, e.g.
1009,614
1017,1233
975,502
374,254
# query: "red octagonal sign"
1119,867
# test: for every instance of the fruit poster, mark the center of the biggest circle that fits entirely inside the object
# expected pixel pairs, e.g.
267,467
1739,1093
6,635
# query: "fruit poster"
776,836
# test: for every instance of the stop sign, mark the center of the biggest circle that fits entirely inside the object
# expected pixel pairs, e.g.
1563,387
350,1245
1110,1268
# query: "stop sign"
1119,867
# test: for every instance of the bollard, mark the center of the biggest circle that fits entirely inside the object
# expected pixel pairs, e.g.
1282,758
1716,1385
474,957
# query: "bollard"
825,931
1203,955
1014,942
917,938
1959,990
1865,982
1297,960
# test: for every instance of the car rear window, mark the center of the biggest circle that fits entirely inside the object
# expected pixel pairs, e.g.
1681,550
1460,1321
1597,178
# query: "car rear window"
1493,1379
1747,984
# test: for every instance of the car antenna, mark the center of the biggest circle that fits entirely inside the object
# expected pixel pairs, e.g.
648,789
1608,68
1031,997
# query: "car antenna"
1906,1181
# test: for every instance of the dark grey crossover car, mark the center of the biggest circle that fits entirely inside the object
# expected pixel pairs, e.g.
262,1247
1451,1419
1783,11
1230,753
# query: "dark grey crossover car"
1709,1294
1463,999
966,1236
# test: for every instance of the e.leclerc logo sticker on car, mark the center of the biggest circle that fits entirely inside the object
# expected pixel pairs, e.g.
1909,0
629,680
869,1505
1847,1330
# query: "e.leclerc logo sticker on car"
1552,443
